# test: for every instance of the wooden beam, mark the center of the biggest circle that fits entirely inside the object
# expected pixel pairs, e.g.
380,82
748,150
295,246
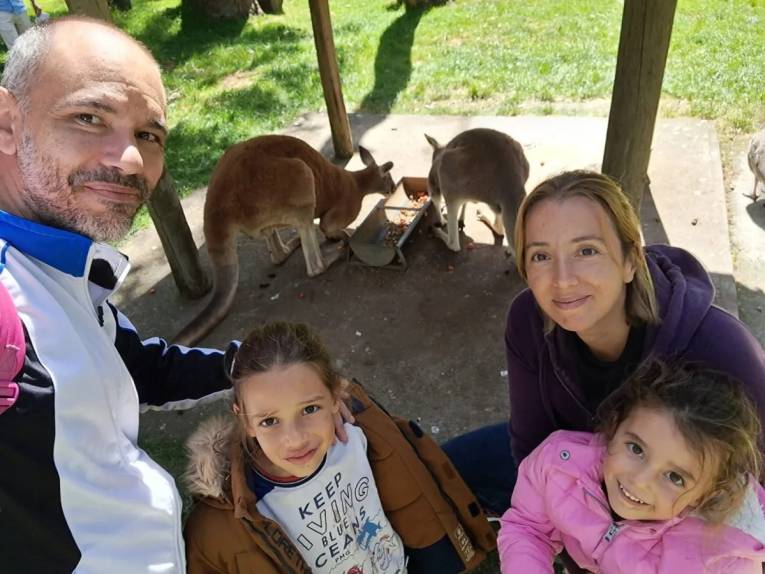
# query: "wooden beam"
330,78
643,47
93,8
181,252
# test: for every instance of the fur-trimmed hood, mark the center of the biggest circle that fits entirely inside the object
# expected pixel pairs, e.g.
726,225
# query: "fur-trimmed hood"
209,448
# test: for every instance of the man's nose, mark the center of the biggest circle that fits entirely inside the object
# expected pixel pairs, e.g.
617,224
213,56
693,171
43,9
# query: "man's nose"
122,152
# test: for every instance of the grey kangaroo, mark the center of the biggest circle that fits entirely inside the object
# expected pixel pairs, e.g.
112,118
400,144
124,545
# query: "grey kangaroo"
478,165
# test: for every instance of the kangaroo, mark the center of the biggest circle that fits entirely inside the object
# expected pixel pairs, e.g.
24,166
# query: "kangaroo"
271,182
478,165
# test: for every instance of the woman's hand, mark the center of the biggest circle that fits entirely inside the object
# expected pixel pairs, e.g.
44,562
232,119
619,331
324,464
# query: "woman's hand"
343,414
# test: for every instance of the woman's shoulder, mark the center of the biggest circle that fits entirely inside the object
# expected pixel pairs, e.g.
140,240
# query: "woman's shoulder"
725,343
524,316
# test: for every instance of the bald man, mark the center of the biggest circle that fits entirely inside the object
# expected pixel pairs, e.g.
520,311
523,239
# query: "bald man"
82,135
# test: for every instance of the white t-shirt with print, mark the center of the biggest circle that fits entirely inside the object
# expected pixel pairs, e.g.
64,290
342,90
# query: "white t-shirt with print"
334,517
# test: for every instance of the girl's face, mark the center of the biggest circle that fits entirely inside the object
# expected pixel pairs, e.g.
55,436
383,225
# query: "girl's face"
575,266
649,471
290,413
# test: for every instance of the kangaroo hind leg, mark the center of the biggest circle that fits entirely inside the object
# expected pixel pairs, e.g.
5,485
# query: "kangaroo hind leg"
278,249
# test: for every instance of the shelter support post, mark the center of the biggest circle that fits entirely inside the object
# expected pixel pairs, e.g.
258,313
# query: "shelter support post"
330,78
643,47
173,229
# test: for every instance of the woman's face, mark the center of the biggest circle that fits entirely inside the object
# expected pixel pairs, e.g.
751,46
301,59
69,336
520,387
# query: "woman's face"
575,266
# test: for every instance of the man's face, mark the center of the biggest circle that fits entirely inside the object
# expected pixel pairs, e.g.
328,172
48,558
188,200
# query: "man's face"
91,144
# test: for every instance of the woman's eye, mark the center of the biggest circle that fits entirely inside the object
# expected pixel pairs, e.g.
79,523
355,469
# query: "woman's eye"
269,422
310,409
635,448
588,251
537,257
676,479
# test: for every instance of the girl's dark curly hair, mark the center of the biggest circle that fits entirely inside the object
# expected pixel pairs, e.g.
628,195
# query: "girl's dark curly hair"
712,412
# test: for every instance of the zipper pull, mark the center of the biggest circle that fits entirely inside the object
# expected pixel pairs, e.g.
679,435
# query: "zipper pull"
611,532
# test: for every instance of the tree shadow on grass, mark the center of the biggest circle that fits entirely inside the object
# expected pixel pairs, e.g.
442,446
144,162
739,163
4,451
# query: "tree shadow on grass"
193,150
196,34
393,62
393,69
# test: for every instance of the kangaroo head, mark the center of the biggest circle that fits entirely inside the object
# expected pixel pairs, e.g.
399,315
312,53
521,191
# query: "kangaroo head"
380,180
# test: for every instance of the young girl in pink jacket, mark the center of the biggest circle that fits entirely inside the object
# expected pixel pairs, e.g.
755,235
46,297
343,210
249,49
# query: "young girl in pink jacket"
668,485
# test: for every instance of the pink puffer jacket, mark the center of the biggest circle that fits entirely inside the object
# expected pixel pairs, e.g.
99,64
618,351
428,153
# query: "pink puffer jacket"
558,502
12,349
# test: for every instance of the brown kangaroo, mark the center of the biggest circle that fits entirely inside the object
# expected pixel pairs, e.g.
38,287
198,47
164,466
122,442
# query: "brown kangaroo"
478,165
271,182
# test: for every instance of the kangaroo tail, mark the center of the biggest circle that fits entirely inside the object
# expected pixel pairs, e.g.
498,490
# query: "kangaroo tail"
225,261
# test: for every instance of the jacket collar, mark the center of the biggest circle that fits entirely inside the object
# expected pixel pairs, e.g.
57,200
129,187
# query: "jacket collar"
63,250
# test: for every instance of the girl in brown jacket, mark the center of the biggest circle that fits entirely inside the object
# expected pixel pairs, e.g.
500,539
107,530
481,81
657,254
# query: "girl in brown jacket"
276,492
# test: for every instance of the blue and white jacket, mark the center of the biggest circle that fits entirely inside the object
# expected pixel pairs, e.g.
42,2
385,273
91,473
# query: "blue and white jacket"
77,494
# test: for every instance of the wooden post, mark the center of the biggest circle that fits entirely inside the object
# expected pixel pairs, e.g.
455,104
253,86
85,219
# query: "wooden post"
93,8
181,252
643,47
330,78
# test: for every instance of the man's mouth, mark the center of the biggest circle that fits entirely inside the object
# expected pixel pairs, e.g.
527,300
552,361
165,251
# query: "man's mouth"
113,192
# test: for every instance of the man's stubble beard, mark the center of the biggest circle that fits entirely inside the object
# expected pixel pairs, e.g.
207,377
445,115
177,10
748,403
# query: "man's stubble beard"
50,196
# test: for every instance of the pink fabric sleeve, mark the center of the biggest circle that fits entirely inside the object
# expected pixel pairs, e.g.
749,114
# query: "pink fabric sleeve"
528,541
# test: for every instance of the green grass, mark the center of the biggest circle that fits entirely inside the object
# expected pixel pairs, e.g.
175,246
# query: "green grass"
231,81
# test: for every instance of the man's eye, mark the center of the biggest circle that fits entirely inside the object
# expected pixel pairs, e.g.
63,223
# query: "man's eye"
310,409
269,422
635,448
89,119
149,137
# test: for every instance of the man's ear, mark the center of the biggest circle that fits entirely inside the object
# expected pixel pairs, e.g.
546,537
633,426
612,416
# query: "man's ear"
9,122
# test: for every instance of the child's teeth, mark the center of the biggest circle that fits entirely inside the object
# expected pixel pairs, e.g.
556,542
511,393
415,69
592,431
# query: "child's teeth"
628,495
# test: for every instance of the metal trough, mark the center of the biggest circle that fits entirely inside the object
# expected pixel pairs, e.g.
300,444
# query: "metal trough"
378,241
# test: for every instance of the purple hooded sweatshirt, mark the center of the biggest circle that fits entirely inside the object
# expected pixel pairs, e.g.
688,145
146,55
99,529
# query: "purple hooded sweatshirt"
545,391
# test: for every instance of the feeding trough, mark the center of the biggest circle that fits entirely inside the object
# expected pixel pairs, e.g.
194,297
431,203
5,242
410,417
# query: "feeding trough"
378,241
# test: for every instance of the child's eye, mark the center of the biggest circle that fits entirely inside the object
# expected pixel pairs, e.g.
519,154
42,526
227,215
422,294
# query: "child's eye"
310,409
269,422
676,479
588,251
635,448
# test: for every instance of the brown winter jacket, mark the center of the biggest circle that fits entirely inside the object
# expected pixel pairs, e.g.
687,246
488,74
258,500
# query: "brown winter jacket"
424,498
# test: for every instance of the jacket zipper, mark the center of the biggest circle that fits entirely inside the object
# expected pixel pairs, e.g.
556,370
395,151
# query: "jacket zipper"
614,527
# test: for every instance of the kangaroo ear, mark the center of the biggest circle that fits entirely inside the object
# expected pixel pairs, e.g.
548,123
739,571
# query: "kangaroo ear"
366,157
386,167
433,142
